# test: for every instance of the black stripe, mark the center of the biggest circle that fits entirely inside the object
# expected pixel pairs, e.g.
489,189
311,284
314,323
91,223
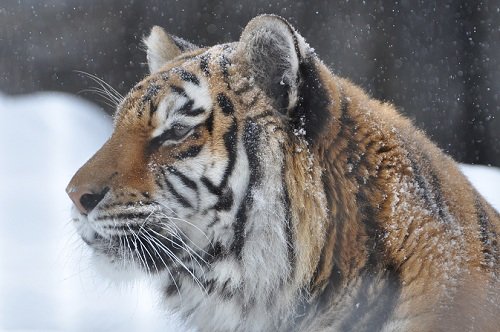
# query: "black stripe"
225,104
225,201
204,58
225,293
188,77
264,114
239,226
432,186
215,252
191,152
139,215
251,138
151,92
209,123
229,139
172,289
186,108
152,109
435,184
181,199
124,226
211,186
157,141
184,179
487,235
224,62
422,183
147,98
179,90
159,183
127,204
195,112
209,286
346,123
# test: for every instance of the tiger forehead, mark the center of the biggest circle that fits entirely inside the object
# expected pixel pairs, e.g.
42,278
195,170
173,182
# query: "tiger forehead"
147,94
212,67
195,81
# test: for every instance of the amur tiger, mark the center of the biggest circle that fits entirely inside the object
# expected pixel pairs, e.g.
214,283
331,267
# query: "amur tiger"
267,194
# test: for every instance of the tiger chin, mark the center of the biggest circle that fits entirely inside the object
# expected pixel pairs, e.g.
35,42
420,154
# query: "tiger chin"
268,194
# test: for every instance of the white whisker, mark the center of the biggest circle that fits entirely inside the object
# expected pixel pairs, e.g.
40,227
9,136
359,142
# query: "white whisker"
106,87
143,248
183,220
148,238
187,250
187,247
179,261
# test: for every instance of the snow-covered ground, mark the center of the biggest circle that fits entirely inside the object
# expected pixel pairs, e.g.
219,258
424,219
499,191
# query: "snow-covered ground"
46,282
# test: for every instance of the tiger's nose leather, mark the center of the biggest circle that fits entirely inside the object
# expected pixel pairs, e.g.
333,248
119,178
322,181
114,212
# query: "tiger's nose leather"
84,199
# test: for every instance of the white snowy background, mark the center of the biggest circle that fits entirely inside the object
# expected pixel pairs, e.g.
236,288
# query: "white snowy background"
46,279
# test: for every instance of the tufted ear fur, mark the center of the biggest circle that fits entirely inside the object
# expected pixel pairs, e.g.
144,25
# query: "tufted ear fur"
286,68
274,51
162,47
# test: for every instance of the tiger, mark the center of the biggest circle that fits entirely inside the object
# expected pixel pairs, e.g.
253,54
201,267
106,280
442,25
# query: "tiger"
264,193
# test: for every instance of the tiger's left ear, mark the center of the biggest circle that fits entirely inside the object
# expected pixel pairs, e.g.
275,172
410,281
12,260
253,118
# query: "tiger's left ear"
274,51
162,47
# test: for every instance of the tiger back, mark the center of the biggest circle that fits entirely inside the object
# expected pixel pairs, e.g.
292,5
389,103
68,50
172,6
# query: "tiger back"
265,193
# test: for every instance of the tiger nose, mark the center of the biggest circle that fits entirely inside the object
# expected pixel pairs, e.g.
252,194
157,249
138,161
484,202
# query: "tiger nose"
84,199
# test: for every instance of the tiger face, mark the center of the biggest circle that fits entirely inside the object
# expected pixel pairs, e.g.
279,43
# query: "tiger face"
196,155
267,194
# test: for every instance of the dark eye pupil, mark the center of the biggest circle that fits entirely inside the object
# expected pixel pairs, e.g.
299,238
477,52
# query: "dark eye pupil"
179,131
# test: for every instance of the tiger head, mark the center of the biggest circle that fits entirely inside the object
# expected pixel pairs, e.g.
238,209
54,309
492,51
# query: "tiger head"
208,155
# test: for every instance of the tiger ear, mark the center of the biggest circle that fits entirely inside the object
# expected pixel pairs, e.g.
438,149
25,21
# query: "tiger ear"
273,51
162,47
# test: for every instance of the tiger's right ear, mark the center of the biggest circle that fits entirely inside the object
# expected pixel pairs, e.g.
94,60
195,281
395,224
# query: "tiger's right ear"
162,47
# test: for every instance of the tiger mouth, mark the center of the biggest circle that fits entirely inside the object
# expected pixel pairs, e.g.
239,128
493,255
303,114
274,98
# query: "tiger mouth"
137,244
93,238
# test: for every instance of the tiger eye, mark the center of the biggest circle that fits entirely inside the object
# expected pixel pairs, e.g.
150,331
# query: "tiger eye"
179,131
